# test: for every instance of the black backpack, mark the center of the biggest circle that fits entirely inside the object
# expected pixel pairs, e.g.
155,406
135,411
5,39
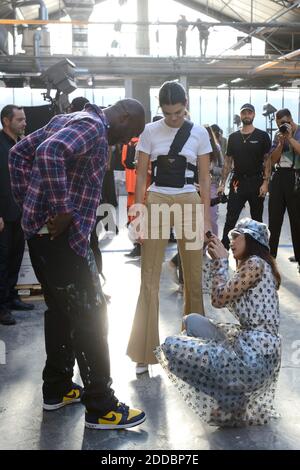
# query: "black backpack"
130,156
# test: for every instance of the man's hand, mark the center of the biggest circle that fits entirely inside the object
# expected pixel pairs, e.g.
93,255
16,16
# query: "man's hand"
59,224
1,224
263,189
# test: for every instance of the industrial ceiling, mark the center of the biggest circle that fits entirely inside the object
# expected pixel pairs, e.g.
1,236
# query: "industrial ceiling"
276,22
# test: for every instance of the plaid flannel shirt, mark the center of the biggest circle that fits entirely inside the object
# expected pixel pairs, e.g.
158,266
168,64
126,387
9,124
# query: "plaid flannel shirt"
60,168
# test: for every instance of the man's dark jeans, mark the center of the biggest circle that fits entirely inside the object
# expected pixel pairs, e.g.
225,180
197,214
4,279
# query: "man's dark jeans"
283,197
247,190
75,322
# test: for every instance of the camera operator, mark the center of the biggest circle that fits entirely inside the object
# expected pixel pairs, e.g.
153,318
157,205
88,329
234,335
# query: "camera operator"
285,183
248,155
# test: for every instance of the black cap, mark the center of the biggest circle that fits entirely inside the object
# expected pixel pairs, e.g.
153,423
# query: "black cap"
248,106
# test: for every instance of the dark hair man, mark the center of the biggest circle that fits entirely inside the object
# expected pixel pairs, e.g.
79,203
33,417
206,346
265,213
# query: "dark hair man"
285,183
11,235
56,175
247,152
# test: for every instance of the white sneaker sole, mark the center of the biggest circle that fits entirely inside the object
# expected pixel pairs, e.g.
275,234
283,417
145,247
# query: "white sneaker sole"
60,405
113,426
141,370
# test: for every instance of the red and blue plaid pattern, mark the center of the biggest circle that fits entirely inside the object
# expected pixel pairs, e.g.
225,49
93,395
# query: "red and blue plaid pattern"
60,168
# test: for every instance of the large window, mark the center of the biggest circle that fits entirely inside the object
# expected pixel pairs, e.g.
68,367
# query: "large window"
207,106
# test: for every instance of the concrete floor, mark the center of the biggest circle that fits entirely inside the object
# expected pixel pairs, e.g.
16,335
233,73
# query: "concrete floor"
170,424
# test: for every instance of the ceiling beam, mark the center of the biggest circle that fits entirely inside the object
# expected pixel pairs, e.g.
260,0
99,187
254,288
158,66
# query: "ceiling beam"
258,31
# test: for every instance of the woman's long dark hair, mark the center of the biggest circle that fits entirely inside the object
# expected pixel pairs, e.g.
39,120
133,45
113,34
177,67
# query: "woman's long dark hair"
215,155
253,247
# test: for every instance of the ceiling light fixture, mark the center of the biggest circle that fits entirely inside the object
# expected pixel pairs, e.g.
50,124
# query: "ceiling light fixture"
236,80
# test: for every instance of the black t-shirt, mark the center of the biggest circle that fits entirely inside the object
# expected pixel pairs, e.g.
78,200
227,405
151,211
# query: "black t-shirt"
248,150
9,210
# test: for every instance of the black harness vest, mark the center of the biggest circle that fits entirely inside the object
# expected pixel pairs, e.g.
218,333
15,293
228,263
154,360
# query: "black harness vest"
170,169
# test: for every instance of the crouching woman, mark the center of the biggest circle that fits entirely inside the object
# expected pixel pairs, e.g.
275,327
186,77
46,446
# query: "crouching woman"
228,372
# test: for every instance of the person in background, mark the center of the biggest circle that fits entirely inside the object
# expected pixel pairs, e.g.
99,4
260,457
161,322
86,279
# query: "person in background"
285,182
77,104
216,165
56,174
182,27
129,164
12,240
222,141
203,35
248,154
228,372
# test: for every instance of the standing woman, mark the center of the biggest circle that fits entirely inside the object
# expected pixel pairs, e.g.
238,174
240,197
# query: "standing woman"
171,186
228,373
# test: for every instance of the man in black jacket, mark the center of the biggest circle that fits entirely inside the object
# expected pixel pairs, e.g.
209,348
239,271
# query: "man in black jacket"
11,235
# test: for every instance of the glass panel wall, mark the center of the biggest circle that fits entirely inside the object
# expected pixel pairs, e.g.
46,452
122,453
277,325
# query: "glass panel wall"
207,106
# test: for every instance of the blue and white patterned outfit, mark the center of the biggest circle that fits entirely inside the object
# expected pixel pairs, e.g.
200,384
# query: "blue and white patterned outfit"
229,377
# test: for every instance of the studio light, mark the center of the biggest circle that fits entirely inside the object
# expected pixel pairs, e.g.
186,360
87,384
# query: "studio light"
268,109
269,112
61,77
236,119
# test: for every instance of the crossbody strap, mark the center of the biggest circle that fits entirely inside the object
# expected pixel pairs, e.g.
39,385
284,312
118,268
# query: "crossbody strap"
180,138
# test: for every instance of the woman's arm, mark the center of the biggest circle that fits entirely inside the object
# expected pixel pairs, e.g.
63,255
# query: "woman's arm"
137,210
141,176
224,291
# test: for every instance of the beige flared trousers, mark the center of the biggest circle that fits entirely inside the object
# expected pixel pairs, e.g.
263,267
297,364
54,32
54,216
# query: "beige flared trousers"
144,337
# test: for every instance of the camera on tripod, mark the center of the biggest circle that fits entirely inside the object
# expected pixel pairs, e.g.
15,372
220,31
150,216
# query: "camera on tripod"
221,199
283,128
